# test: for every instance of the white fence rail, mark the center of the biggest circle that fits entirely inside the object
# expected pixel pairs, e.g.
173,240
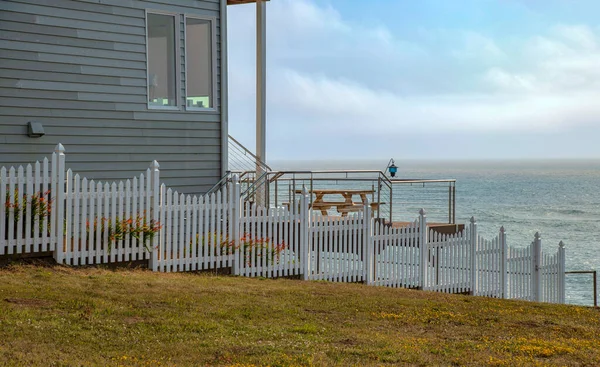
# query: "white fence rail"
47,209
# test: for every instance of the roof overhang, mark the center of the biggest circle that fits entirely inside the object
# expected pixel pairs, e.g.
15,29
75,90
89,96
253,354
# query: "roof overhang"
238,2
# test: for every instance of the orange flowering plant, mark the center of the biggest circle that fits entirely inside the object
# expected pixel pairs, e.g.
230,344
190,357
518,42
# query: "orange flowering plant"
40,205
139,228
250,247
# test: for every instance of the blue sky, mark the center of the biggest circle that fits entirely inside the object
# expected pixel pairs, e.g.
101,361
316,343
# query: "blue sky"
428,79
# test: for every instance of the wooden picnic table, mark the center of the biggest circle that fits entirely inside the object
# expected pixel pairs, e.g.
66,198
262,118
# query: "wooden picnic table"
343,207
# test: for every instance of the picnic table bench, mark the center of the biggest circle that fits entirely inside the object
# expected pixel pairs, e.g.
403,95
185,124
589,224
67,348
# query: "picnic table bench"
343,207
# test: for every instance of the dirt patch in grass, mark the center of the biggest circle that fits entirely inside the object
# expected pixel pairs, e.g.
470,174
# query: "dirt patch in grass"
28,302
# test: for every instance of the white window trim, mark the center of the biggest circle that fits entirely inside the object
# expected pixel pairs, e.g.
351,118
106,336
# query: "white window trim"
177,21
213,45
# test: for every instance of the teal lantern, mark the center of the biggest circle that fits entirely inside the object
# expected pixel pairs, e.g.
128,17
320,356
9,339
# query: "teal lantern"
392,168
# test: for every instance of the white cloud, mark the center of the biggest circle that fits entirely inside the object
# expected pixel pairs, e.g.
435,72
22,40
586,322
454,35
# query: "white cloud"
580,36
332,75
477,46
345,105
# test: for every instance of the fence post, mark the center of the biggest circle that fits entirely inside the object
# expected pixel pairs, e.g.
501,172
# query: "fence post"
235,222
59,217
424,253
474,244
503,263
535,267
305,240
154,213
561,273
368,243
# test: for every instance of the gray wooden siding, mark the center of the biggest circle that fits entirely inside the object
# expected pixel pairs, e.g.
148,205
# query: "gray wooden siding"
79,68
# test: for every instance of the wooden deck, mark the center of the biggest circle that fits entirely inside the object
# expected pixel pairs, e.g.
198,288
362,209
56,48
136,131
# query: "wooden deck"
443,228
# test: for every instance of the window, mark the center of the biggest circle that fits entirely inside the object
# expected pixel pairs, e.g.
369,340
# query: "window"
162,69
182,74
199,63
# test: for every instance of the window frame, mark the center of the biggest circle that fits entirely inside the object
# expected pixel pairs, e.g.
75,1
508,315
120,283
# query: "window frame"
214,60
177,43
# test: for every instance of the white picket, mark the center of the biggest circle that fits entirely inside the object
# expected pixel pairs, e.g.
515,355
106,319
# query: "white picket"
99,220
73,255
4,237
45,240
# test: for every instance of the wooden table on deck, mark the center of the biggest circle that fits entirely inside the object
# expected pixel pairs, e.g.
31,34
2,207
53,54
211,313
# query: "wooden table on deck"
343,207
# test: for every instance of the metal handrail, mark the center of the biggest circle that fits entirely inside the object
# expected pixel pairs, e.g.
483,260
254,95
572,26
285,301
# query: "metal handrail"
384,192
255,186
257,161
226,178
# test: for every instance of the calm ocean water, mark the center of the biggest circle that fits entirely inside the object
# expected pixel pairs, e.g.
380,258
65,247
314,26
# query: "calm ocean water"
560,199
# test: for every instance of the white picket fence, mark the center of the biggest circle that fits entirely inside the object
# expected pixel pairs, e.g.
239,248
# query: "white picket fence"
47,209
397,255
269,242
195,231
27,213
99,218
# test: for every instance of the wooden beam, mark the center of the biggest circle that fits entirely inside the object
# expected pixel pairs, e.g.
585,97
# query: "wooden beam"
261,81
238,2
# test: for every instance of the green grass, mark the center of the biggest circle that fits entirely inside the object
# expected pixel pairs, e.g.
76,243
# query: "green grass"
57,316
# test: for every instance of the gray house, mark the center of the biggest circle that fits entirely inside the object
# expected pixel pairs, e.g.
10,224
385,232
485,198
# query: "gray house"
119,83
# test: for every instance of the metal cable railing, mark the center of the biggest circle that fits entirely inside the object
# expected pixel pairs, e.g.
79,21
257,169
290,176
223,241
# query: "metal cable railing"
286,185
393,199
243,160
438,197
253,172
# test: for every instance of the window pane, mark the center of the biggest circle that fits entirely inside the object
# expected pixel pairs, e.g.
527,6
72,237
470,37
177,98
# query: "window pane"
199,63
161,60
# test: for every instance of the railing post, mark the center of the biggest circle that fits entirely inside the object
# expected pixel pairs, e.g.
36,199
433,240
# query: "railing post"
369,244
535,267
450,204
305,239
561,273
474,244
154,214
424,253
503,263
379,197
59,217
235,222
454,203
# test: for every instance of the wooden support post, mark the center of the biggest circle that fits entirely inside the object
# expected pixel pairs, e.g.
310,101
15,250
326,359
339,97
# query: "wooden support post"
261,94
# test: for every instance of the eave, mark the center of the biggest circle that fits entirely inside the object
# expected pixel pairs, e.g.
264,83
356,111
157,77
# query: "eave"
239,2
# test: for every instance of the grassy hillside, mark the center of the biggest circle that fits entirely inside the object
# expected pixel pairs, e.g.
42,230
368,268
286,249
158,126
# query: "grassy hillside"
59,316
